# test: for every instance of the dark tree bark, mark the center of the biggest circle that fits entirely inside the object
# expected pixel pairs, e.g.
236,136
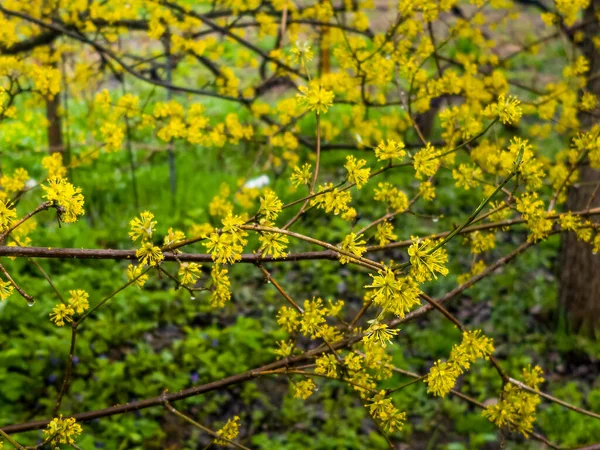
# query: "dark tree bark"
55,138
579,269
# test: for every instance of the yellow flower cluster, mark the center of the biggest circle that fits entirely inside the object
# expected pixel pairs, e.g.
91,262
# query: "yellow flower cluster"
387,415
394,197
516,408
63,431
535,215
390,150
137,275
396,295
77,303
356,174
7,215
229,431
442,376
6,289
315,97
378,334
148,253
189,272
385,233
220,289
332,200
353,244
226,245
304,389
65,197
426,260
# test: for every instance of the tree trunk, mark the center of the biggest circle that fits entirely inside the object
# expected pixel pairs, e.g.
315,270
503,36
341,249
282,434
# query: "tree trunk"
55,139
579,291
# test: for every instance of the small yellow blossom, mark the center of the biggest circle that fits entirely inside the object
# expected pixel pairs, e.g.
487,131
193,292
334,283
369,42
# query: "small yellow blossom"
54,165
60,313
379,334
63,431
66,196
230,431
142,227
270,205
385,233
425,262
7,215
426,162
326,365
390,150
304,389
149,254
79,300
137,273
273,244
6,289
356,174
189,272
315,97
352,244
301,175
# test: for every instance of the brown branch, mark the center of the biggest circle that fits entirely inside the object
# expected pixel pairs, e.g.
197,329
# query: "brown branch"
68,370
18,288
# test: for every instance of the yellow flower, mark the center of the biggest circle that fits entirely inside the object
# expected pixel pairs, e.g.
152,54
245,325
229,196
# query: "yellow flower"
482,242
273,244
426,162
135,273
385,233
313,319
229,431
301,175
466,176
189,272
427,191
302,53
356,174
424,262
386,414
79,300
270,205
535,216
285,349
326,365
221,293
6,289
516,408
223,248
507,109
7,215
63,431
315,97
288,319
142,227
304,389
149,254
379,334
60,313
390,150
395,295
352,244
173,238
54,165
441,378
67,197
